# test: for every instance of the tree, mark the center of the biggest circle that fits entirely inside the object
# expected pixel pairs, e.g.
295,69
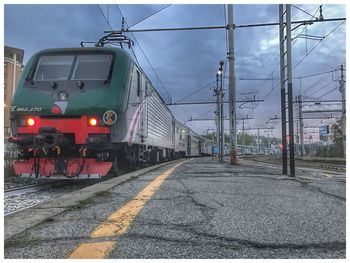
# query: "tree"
337,130
210,135
245,139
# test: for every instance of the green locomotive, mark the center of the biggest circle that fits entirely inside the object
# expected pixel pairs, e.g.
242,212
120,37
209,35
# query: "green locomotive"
81,112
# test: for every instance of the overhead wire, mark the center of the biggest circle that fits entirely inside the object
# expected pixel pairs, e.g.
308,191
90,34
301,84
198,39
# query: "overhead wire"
273,71
110,26
313,85
104,17
320,41
317,74
149,16
325,86
225,22
224,73
299,77
201,88
161,83
305,11
205,113
328,92
226,45
328,34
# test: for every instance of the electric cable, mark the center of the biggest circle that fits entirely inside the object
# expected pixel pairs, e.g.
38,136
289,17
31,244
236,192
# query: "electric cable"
313,16
145,55
187,96
104,16
328,92
149,16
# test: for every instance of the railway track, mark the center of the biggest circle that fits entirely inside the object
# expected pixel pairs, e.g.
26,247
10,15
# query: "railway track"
322,166
23,197
16,189
27,194
312,174
309,164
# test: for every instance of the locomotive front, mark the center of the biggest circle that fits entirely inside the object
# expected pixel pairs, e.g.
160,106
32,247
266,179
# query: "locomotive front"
63,109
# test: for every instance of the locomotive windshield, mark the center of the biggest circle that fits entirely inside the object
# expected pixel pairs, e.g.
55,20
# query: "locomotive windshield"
53,68
75,67
92,67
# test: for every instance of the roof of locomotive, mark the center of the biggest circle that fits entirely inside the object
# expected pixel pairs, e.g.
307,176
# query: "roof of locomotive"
75,49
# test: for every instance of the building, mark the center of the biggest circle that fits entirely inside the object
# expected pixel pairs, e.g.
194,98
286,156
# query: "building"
326,134
13,61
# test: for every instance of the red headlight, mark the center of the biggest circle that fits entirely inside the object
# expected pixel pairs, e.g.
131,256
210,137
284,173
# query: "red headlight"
30,122
92,121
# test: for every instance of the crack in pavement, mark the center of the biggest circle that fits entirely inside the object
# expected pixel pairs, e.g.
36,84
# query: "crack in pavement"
222,241
215,240
316,189
206,210
209,173
303,183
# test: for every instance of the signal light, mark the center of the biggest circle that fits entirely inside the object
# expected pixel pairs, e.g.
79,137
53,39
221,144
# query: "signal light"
30,122
92,121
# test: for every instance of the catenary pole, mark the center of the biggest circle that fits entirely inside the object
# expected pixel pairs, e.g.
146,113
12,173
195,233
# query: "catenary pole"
283,90
290,91
342,90
258,141
243,140
301,125
232,87
222,133
217,113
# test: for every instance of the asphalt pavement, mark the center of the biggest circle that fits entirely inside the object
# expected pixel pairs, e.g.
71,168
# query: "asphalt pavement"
200,209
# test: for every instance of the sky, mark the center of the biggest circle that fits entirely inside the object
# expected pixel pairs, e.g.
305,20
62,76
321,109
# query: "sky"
183,62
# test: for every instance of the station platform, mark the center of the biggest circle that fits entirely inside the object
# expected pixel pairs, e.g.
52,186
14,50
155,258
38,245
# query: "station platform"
190,208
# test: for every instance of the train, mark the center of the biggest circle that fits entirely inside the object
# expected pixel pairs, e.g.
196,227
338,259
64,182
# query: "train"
83,112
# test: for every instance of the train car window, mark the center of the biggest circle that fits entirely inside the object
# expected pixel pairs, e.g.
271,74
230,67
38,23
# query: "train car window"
148,92
53,68
92,67
138,83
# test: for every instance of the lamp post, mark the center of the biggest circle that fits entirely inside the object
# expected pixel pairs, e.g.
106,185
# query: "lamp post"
221,116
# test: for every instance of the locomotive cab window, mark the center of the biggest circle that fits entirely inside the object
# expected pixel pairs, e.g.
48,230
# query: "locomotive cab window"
53,68
92,67
73,67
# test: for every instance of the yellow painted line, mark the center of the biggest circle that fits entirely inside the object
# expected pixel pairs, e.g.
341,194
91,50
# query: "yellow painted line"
97,250
119,221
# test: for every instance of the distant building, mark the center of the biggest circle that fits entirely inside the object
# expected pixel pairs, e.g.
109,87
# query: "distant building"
13,61
326,135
